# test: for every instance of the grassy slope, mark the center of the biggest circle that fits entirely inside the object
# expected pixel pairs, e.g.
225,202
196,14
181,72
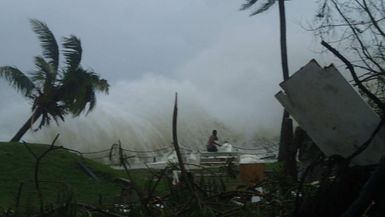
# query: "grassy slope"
59,171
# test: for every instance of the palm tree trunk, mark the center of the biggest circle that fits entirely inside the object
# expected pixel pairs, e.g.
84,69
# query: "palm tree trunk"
283,147
282,23
285,153
27,125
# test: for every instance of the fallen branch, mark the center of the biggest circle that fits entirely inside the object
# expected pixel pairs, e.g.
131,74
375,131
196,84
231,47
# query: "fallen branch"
143,199
178,154
350,67
236,193
95,209
37,166
175,139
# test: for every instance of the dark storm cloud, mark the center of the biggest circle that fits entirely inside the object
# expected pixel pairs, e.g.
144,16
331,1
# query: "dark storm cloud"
219,57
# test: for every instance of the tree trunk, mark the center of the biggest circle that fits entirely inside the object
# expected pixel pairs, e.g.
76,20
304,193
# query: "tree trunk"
286,155
282,23
27,125
290,151
283,143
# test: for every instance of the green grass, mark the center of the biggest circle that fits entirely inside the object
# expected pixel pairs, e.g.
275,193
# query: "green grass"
59,172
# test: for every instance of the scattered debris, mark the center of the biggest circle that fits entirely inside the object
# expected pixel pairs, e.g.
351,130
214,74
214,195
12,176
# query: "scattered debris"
332,113
256,199
88,171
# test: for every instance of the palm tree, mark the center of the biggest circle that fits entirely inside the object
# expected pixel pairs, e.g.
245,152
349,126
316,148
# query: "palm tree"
286,150
55,92
282,21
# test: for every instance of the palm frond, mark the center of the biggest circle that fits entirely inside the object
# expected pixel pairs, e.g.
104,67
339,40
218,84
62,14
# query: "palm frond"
102,85
264,7
44,74
17,79
45,120
50,109
91,98
78,90
47,42
57,112
97,83
80,102
248,4
72,52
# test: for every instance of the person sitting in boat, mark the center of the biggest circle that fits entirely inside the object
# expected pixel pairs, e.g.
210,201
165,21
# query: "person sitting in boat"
213,142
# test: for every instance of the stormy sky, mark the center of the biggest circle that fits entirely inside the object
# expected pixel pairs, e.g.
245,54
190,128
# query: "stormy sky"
224,64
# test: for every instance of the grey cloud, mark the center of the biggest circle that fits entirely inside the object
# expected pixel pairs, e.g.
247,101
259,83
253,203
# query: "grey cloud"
217,57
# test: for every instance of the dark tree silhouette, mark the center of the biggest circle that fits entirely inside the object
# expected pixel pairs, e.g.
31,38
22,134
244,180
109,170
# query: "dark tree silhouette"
356,28
287,151
55,92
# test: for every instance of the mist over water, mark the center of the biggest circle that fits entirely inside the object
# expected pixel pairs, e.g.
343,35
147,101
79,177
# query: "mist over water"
228,87
224,65
139,114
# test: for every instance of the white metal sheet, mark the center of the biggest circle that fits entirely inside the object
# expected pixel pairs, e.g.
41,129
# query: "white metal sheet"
332,113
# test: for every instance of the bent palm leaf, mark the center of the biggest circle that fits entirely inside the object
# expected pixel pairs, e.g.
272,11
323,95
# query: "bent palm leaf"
261,9
47,42
17,79
55,95
78,89
44,75
72,52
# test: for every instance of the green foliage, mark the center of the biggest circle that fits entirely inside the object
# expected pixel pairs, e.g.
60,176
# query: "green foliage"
47,42
59,172
17,79
68,191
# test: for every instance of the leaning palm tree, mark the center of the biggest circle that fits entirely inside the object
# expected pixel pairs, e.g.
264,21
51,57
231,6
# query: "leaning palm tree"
55,91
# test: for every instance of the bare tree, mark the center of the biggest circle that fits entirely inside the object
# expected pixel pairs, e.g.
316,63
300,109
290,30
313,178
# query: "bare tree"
356,28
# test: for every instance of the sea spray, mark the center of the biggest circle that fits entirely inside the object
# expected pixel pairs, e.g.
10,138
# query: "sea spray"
228,86
138,114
